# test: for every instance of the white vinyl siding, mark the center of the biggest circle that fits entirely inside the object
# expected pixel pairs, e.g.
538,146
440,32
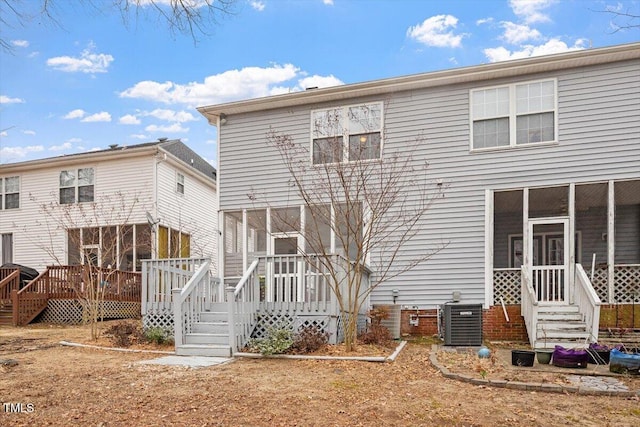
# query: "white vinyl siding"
512,115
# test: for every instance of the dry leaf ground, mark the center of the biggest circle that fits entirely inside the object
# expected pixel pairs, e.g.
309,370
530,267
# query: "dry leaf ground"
74,386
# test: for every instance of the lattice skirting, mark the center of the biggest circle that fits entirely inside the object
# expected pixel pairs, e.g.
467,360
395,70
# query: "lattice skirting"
159,319
294,322
71,311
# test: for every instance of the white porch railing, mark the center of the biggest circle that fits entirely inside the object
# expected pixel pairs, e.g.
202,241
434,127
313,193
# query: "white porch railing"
197,296
529,306
549,282
587,300
242,303
160,276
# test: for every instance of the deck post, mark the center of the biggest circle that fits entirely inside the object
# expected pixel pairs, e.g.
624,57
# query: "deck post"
230,291
177,316
611,241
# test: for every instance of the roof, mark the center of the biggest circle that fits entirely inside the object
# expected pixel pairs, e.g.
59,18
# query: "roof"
175,147
511,68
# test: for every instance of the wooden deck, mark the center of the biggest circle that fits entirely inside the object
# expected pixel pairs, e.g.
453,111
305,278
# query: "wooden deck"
63,283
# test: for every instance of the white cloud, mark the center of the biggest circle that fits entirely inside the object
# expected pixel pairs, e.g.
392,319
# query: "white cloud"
87,62
328,2
550,47
531,10
232,85
13,153
20,43
4,134
171,115
173,128
437,31
28,132
138,136
516,33
102,116
211,142
7,100
74,140
258,5
129,119
75,114
484,21
62,147
319,81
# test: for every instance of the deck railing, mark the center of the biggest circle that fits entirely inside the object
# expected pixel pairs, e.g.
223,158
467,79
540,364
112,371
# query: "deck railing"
9,281
161,276
588,302
242,302
29,301
529,306
197,296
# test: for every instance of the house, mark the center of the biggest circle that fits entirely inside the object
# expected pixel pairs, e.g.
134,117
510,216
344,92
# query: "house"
534,219
112,208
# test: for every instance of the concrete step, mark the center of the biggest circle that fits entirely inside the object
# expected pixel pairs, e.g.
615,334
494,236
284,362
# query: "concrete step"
211,327
203,350
206,338
214,316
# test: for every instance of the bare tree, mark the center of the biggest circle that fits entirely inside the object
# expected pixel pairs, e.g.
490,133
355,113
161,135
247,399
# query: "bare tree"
98,235
622,20
189,17
374,205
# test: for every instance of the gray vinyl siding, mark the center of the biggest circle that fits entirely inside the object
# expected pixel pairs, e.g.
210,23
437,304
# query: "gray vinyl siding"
599,140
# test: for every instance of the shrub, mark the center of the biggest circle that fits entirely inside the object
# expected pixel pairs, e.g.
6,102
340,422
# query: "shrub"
277,341
158,335
123,334
309,339
376,333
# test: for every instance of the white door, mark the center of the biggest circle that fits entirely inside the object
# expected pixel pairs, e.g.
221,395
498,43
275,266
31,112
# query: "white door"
550,272
286,268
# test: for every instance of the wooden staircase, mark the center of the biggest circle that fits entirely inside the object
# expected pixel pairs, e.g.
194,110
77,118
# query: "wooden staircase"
209,336
561,325
6,314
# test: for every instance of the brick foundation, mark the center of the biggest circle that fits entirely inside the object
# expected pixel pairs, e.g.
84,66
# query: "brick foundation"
494,325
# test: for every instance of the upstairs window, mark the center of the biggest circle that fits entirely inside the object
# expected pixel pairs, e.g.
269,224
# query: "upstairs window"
76,185
10,192
513,115
346,134
179,183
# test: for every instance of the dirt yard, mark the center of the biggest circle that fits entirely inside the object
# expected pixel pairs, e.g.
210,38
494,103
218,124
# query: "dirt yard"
64,386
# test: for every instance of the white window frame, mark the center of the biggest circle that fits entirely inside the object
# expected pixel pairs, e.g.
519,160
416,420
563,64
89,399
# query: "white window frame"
345,133
513,115
76,185
3,192
180,182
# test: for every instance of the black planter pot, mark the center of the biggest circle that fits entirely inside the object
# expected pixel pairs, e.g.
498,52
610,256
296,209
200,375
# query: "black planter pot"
522,357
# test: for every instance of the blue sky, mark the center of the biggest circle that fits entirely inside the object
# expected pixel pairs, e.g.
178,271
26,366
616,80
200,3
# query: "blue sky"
90,81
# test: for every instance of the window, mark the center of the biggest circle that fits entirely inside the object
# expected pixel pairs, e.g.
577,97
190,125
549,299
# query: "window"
76,185
179,183
346,133
10,192
6,248
513,115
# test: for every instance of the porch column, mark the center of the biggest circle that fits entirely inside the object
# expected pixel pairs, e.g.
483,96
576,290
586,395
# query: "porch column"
525,227
222,246
488,248
245,243
572,240
611,241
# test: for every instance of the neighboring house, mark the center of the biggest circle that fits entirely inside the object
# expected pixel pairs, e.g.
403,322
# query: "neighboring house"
112,207
540,164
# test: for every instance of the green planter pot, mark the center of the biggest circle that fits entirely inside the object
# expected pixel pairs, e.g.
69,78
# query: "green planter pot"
544,356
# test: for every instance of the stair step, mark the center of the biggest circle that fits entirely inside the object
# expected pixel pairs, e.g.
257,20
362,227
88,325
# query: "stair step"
558,309
564,333
206,338
562,317
549,326
214,316
211,327
203,350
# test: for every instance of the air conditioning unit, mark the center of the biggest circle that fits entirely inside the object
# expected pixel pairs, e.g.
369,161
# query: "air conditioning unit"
463,324
393,322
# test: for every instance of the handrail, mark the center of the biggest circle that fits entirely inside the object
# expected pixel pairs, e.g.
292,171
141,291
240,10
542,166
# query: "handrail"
190,301
242,302
30,300
8,284
529,306
587,301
